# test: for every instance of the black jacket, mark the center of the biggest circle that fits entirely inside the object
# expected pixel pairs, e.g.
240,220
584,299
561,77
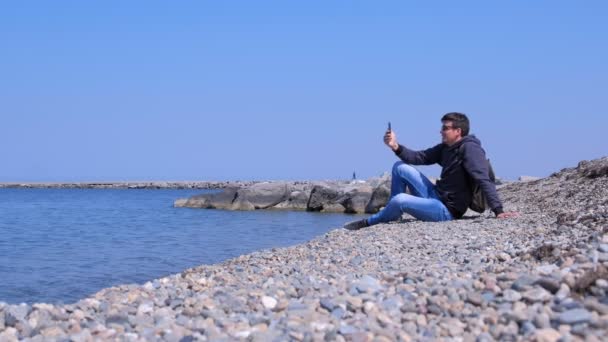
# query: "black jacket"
453,187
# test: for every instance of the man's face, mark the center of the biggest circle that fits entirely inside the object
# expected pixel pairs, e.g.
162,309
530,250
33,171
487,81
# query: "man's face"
449,134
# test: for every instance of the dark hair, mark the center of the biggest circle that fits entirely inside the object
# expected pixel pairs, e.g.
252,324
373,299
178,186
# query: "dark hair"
458,120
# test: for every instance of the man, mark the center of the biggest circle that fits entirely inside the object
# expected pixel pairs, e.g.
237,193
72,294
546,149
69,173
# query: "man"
459,155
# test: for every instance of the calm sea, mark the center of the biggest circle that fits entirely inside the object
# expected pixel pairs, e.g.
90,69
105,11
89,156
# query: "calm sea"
61,245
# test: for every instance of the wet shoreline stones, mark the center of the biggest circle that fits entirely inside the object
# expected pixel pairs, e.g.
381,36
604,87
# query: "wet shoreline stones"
541,277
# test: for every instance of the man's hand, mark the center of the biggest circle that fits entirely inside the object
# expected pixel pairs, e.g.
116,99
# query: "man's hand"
507,215
390,139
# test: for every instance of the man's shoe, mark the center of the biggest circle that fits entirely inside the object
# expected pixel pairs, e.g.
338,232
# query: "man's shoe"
356,225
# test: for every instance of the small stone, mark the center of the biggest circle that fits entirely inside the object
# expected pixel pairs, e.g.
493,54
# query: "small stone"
601,283
145,308
9,334
488,296
338,313
269,302
575,316
527,328
511,295
592,304
354,303
563,292
475,298
546,335
15,313
523,282
542,321
347,329
549,284
503,256
547,269
327,304
368,284
537,295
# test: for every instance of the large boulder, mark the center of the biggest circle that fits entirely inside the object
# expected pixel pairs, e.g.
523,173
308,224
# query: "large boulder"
333,207
262,196
217,200
297,200
322,196
356,200
379,198
377,181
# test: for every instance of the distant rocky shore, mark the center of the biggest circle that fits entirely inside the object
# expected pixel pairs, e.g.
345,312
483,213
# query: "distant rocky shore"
131,185
542,276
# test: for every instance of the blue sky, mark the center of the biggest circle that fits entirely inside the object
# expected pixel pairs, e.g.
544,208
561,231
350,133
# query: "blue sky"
201,90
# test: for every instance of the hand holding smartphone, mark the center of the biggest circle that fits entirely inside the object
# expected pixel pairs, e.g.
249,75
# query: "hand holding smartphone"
389,138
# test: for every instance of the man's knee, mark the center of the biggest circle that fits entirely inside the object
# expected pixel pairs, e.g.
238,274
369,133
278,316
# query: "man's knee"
400,199
400,167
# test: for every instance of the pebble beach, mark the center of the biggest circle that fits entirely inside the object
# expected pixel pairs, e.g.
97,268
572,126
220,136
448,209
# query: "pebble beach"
542,276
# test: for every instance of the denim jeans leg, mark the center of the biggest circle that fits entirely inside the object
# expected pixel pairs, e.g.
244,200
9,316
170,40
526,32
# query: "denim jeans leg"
424,203
425,209
405,175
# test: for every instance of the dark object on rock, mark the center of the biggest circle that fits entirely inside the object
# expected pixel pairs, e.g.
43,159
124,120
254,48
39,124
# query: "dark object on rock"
356,225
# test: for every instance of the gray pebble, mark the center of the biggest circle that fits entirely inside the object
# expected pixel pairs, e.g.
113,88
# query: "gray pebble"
575,316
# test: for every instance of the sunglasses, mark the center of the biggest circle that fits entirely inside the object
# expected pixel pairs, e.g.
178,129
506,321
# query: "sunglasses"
445,128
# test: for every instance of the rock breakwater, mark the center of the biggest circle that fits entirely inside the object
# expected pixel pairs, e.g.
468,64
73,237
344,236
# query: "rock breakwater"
541,276
130,185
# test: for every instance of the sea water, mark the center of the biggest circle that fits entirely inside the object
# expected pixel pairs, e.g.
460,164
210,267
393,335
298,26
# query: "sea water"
62,245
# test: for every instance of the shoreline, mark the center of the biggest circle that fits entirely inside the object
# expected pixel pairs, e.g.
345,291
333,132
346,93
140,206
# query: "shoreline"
541,276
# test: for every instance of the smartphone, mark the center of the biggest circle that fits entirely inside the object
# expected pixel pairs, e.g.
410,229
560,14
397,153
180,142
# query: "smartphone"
389,126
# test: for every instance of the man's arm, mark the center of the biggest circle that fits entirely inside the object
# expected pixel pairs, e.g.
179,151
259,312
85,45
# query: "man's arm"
426,157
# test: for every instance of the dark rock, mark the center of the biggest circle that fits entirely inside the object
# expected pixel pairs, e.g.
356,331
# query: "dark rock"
320,197
264,195
297,200
524,282
219,200
327,304
549,284
597,168
378,199
355,202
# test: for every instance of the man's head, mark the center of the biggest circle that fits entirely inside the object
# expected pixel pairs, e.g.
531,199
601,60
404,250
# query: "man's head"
454,127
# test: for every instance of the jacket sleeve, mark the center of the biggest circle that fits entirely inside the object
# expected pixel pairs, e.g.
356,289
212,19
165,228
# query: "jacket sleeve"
476,164
426,157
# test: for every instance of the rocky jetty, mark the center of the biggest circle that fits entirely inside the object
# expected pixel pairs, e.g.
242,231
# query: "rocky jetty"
329,196
540,277
130,185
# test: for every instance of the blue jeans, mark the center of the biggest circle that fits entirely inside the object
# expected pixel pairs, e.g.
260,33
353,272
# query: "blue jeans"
424,203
